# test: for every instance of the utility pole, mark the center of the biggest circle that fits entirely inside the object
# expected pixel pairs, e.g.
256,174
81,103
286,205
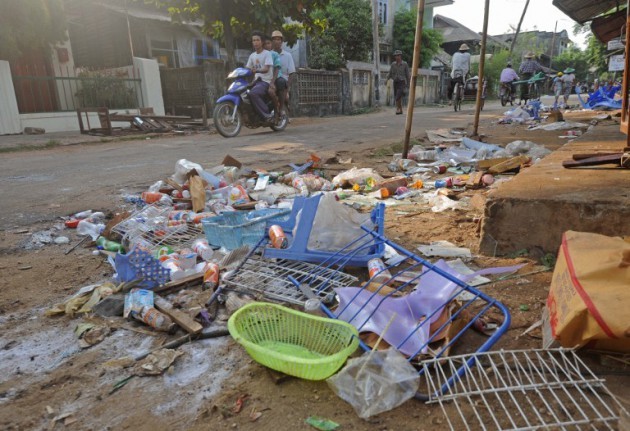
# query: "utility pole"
482,63
553,41
414,77
377,54
518,28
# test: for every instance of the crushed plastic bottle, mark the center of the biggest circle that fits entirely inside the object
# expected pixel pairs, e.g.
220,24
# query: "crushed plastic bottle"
93,229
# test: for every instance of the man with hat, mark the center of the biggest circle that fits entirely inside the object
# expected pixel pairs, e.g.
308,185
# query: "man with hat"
528,68
399,73
287,69
460,68
567,81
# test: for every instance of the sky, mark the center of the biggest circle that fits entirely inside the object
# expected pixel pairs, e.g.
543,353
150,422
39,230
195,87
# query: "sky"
541,15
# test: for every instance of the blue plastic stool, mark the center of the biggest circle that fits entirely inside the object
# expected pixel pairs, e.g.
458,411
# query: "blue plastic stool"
357,253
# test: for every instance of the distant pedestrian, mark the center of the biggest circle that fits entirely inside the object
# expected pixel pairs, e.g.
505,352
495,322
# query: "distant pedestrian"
557,89
528,68
399,73
567,81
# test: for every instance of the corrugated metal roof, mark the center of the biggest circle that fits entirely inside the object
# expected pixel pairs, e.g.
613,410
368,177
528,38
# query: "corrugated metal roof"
609,27
585,10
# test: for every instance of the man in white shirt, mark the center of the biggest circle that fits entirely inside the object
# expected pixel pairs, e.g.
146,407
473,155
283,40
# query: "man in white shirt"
283,84
460,67
261,63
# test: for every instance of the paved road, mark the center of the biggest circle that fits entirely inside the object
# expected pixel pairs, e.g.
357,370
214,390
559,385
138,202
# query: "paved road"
44,184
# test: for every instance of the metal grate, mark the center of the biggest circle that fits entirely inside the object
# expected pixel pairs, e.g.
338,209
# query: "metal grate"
319,87
149,228
520,390
271,279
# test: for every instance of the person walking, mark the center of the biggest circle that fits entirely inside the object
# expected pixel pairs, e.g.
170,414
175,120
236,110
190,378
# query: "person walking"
261,63
399,73
557,89
528,68
567,81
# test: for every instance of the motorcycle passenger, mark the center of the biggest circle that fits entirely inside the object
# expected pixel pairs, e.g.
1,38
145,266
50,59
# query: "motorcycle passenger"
528,68
460,64
261,63
508,76
277,74
283,83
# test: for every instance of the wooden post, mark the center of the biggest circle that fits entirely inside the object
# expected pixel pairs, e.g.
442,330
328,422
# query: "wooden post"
414,77
377,55
482,62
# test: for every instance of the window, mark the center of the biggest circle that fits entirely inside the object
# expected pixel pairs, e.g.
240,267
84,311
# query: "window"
165,52
382,12
203,49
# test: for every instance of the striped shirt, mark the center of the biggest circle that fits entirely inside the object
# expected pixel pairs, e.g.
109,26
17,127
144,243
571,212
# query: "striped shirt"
529,66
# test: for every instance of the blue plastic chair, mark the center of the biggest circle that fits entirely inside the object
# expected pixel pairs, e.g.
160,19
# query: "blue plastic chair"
357,253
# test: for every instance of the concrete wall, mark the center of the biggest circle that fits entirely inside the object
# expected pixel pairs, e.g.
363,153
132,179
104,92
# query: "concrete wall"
149,73
9,114
66,121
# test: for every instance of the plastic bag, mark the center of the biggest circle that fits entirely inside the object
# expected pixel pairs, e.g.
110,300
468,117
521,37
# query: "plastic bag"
356,176
335,225
376,382
182,167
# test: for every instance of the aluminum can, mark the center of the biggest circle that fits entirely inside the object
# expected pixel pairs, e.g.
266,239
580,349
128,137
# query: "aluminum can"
439,169
277,237
378,271
210,275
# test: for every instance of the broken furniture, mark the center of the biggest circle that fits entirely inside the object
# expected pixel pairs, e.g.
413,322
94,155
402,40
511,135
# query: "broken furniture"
356,253
520,389
143,122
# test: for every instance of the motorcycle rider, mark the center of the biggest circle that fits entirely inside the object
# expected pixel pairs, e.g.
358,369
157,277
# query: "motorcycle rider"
261,63
508,76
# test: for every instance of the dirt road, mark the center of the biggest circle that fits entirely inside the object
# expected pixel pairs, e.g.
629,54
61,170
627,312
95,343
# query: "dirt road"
44,184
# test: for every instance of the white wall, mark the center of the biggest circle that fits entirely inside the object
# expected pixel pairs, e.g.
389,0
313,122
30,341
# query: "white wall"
67,121
149,73
9,114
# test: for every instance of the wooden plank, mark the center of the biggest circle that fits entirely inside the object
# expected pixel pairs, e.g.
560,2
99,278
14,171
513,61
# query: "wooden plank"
593,161
485,164
508,165
589,155
178,316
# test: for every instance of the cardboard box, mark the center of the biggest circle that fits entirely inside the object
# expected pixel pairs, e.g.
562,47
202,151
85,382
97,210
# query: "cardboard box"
589,294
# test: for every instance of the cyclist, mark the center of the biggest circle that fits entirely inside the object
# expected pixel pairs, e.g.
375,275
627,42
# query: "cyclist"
461,64
528,68
508,76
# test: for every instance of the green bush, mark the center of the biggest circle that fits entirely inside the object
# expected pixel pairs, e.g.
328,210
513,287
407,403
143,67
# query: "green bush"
106,89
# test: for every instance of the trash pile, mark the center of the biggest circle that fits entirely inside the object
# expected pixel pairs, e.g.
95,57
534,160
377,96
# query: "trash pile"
301,277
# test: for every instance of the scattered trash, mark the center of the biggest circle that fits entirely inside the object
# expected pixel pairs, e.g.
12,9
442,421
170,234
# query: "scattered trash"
321,424
156,363
444,249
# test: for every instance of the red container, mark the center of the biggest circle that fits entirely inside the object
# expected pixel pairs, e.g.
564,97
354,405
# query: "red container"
277,237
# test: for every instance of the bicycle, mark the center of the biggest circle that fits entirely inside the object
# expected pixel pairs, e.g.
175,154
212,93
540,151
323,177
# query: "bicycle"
458,91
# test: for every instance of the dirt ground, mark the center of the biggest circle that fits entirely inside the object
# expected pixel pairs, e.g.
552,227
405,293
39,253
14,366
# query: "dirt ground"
49,382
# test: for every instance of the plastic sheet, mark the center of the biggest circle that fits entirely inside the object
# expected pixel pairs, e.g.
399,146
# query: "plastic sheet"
376,382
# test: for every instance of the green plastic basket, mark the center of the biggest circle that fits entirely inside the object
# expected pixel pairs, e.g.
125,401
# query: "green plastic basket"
292,342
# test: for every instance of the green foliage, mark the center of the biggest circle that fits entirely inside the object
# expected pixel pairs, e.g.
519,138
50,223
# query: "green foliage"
596,55
575,58
493,68
244,16
109,89
30,25
342,31
404,35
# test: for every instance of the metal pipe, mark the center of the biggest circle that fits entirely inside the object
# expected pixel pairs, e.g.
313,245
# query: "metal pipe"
414,77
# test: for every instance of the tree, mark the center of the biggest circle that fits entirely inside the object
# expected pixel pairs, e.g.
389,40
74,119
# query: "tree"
575,58
342,31
404,35
30,26
223,19
493,68
596,55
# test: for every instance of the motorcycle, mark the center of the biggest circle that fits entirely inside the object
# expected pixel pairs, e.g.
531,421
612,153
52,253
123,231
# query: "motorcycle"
506,93
235,109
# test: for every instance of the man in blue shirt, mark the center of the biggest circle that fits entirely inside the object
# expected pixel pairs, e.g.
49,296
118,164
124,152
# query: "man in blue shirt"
284,82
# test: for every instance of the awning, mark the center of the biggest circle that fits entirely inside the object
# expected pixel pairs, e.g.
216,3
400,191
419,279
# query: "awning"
585,10
609,27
